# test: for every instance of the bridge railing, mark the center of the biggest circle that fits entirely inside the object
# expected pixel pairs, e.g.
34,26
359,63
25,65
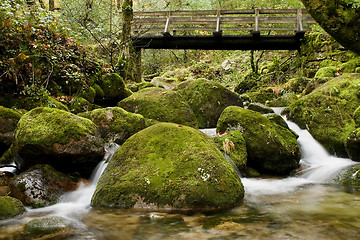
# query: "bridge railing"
219,22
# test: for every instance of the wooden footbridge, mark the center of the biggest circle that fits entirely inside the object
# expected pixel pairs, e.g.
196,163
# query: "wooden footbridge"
253,29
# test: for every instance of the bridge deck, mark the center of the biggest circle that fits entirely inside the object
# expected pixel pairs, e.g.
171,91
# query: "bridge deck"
269,29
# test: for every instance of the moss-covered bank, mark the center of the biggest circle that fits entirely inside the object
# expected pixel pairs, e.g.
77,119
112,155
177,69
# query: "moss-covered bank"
327,112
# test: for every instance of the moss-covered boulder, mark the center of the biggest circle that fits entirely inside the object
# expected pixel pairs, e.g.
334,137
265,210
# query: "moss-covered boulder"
63,140
8,122
352,145
339,18
116,124
326,72
41,185
207,99
261,108
114,89
161,105
233,144
79,104
284,100
169,166
351,176
271,148
40,227
327,112
10,207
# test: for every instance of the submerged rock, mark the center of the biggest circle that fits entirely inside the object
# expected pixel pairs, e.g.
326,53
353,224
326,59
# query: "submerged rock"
271,148
10,207
41,185
161,105
207,99
8,122
40,227
169,166
63,140
327,112
116,124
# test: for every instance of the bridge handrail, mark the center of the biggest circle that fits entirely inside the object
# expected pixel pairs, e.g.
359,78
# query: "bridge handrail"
219,20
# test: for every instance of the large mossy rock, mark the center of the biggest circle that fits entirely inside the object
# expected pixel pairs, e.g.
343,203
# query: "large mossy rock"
169,166
161,105
339,18
327,112
271,148
207,99
116,124
63,140
114,89
8,122
41,185
10,207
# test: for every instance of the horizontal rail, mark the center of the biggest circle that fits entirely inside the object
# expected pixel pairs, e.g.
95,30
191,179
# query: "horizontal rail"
217,21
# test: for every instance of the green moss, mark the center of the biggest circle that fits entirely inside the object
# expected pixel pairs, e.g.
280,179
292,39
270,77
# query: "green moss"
357,117
7,157
352,176
143,85
10,207
79,104
113,85
99,92
207,99
115,123
234,145
350,66
21,186
48,126
89,94
169,166
160,105
326,72
6,113
327,112
271,148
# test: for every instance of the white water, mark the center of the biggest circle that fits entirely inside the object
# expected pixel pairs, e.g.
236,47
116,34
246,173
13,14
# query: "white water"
318,167
76,203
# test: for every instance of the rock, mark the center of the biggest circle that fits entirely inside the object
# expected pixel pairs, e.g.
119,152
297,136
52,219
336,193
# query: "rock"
234,145
326,72
161,105
207,99
261,108
164,82
114,89
271,148
339,18
39,227
284,100
351,176
8,122
143,85
10,208
263,96
63,140
41,185
79,104
116,124
327,112
352,145
169,166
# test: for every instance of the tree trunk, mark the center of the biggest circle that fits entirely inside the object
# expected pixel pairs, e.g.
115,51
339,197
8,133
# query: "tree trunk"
51,5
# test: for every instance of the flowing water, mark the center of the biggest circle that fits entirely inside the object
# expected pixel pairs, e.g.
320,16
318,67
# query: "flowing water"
309,206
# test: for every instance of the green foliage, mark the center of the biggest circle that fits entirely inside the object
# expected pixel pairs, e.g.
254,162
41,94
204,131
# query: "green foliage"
37,57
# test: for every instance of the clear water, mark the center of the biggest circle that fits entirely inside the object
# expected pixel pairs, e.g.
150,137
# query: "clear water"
309,206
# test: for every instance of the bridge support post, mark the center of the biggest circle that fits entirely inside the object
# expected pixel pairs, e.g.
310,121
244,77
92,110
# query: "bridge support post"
137,65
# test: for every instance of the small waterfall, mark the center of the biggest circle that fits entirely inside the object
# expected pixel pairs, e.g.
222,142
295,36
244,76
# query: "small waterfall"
77,202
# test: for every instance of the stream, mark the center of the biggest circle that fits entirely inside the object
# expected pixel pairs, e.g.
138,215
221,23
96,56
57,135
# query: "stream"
308,206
